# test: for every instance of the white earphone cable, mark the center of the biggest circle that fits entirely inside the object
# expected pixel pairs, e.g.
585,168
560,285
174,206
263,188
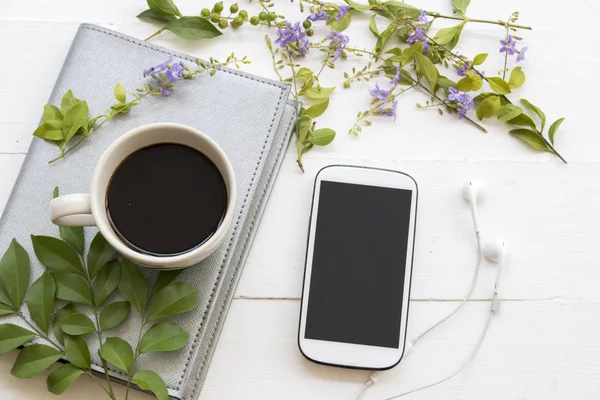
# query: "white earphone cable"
464,365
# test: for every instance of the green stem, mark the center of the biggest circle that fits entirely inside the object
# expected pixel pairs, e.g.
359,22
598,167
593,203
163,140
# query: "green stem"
483,21
378,105
298,144
40,333
135,356
101,385
506,52
158,32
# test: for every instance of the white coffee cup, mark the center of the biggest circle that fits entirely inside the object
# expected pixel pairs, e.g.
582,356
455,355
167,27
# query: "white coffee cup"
90,209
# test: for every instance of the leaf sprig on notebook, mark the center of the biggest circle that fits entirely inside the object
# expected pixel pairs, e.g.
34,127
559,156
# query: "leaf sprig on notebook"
75,303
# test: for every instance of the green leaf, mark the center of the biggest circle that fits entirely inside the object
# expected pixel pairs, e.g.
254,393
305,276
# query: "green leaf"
77,351
99,255
119,353
51,130
148,380
14,272
40,301
373,26
33,360
4,297
426,68
523,120
536,110
445,83
75,118
133,285
71,287
517,78
408,10
460,6
384,38
498,85
56,254
322,137
409,54
164,279
341,24
163,336
74,236
52,113
469,83
482,96
531,138
62,378
554,128
304,73
172,300
304,124
106,282
449,37
120,93
153,16
317,109
67,102
316,93
163,7
113,314
13,336
77,324
488,108
193,28
480,59
358,6
509,112
59,317
6,309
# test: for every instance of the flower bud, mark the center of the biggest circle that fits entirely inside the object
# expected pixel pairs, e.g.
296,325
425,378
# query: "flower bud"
262,15
307,24
218,7
223,24
243,14
237,22
215,18
310,32
271,16
205,12
234,8
254,20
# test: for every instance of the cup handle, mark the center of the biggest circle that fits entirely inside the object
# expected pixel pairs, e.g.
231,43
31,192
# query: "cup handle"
72,210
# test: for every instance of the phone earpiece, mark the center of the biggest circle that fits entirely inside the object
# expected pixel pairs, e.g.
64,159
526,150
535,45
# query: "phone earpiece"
494,250
471,192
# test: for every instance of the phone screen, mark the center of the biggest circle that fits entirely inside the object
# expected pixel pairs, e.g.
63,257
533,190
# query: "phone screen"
358,267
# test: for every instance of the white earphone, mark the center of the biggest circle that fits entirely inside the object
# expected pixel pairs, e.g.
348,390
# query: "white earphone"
494,251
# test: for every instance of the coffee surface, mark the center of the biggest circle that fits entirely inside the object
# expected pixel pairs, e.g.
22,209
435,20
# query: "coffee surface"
166,199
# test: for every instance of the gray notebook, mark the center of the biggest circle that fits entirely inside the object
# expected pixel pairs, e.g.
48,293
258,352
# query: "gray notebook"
248,116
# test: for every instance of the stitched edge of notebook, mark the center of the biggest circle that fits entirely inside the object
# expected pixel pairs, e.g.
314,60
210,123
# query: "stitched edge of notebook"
225,305
220,273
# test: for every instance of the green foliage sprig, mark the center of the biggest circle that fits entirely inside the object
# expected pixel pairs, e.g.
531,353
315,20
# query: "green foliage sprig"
423,63
84,285
60,125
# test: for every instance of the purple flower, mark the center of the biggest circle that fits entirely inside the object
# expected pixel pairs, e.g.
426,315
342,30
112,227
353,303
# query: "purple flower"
462,69
388,111
418,35
379,93
339,42
423,17
521,55
293,38
157,69
318,16
171,73
175,72
396,78
508,45
342,11
465,102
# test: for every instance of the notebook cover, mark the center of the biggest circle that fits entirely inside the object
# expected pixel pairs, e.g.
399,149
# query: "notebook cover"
250,117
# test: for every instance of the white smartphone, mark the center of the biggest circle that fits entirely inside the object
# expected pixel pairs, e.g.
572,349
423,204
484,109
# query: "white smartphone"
358,267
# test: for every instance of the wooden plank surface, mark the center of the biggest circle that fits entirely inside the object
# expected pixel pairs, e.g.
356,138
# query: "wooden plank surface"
545,344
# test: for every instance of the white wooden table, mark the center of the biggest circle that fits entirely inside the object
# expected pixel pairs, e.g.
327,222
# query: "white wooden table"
545,344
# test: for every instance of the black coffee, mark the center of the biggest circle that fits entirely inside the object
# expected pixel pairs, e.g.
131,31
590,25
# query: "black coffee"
166,199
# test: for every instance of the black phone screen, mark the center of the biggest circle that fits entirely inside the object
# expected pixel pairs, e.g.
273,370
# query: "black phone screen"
359,262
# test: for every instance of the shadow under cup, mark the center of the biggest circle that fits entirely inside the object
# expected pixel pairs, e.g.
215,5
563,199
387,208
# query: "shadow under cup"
167,193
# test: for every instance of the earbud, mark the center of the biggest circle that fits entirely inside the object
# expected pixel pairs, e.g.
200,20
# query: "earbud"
495,251
470,193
